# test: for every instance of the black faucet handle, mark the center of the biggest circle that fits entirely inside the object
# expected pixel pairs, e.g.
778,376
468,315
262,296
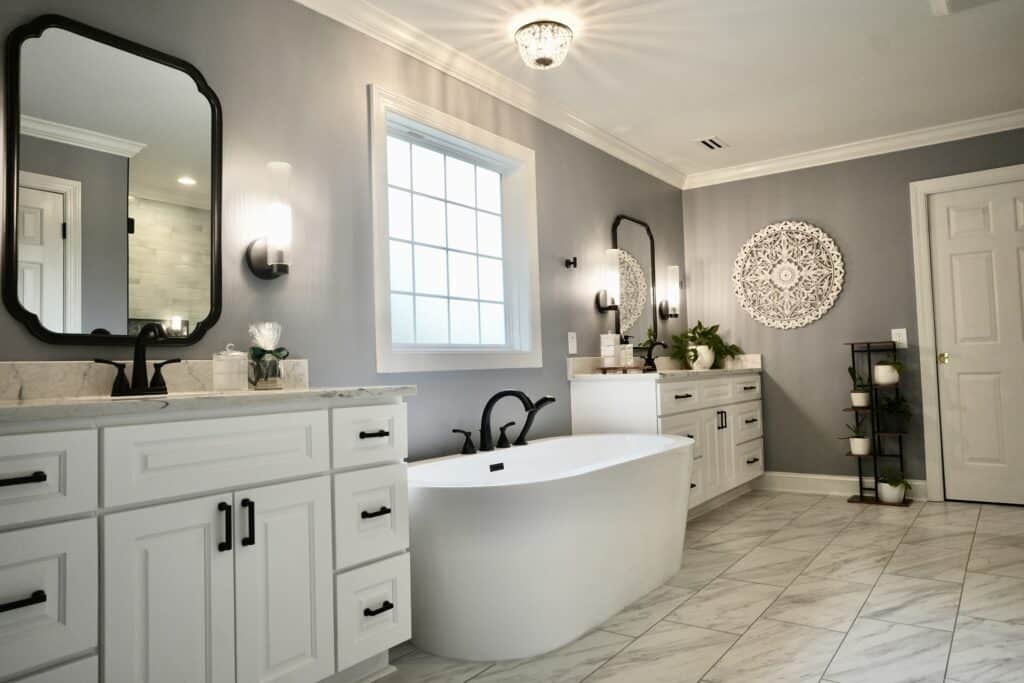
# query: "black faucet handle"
467,445
121,387
503,441
158,385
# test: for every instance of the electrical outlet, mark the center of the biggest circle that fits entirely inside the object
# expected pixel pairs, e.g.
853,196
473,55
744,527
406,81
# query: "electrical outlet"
900,337
572,344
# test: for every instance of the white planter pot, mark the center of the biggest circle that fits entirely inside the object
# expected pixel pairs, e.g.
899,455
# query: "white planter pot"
886,374
860,399
705,358
860,446
891,494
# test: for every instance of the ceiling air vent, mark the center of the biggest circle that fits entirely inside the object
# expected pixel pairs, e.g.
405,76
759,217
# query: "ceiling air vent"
713,143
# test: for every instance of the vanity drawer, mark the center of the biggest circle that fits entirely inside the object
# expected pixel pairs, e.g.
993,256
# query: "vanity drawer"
68,482
82,671
749,461
373,609
369,435
146,462
689,425
748,423
677,397
371,514
717,392
52,573
747,388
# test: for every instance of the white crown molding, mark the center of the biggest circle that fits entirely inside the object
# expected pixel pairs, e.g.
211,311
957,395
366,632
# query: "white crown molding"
856,150
392,31
79,137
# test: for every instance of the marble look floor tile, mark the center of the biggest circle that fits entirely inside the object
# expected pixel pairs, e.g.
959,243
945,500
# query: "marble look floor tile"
693,536
568,664
953,537
746,504
825,518
792,502
726,605
987,652
777,651
999,598
726,540
884,514
760,521
949,514
669,653
1004,527
420,667
915,602
821,603
809,539
869,535
880,652
1002,560
647,611
860,565
700,567
401,650
929,562
774,566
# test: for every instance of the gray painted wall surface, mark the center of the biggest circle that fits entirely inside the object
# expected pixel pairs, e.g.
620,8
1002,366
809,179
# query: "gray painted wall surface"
104,179
293,87
864,205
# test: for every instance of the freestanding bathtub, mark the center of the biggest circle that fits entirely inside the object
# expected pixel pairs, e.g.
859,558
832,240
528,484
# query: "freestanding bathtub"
519,551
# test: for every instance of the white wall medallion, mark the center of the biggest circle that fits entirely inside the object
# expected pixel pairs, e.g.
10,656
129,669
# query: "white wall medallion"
634,290
788,275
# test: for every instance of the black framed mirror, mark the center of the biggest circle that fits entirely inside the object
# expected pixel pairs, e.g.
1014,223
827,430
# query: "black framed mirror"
637,311
112,188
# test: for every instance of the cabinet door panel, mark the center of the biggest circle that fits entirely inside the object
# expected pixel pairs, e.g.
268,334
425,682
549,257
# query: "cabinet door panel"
713,467
726,419
283,585
169,595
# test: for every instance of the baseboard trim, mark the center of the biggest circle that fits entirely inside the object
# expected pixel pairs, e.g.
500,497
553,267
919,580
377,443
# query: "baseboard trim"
822,484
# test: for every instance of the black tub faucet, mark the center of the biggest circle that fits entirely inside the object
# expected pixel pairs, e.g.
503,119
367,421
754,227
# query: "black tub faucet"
486,437
530,415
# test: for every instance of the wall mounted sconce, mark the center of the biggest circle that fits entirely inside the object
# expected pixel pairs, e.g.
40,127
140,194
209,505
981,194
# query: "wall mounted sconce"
269,256
669,308
608,298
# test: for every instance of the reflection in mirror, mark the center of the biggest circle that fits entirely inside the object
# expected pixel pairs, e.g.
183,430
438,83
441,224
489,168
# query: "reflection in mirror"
113,221
636,272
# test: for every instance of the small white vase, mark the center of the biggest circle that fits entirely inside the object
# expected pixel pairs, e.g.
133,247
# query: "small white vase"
860,446
705,358
886,375
860,399
893,495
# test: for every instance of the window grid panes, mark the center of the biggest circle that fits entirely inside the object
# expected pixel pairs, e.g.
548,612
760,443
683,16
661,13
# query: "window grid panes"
444,224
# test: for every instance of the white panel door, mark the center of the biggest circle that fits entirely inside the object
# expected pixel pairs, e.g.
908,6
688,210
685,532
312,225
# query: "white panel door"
283,583
40,229
169,594
977,238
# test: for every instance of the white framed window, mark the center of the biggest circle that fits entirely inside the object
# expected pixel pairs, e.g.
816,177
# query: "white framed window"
456,283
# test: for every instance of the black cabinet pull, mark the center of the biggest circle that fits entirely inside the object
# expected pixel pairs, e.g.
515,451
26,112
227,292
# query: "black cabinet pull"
226,543
34,599
379,434
688,436
749,388
384,510
692,485
721,419
251,505
680,397
750,421
386,606
725,419
751,461
36,477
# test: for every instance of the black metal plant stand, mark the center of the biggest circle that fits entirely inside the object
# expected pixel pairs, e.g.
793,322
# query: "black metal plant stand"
884,444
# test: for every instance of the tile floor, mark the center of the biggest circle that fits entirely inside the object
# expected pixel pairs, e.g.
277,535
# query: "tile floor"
786,587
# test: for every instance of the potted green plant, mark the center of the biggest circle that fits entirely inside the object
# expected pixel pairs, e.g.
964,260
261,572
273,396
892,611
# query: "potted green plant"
897,411
702,348
887,372
892,487
859,443
860,397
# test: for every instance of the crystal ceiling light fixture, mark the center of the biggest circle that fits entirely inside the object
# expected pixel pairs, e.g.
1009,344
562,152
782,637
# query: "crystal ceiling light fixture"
543,44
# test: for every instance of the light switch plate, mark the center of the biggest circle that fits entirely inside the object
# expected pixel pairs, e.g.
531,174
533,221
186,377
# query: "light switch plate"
900,337
572,344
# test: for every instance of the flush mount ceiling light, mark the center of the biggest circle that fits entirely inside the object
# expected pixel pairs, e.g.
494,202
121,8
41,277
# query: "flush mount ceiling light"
543,44
188,181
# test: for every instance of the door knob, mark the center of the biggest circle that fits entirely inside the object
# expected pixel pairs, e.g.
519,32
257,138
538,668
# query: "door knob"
943,359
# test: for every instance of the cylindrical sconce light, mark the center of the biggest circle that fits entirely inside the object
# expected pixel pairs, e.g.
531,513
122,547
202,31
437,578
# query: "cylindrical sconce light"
608,296
269,256
669,308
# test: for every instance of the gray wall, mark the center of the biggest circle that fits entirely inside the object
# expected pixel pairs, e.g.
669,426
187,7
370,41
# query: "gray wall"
865,206
293,87
104,179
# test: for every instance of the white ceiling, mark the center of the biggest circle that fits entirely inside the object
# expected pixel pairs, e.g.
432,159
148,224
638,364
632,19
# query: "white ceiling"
772,78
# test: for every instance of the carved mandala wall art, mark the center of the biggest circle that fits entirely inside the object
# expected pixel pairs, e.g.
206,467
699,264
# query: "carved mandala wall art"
634,290
788,275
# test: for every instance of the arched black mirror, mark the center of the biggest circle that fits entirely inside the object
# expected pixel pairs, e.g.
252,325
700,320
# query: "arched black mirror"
637,309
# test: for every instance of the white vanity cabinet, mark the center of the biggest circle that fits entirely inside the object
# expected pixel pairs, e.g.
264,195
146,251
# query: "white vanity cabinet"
719,410
259,544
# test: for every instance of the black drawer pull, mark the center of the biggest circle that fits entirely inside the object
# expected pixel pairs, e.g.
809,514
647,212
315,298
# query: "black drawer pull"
750,388
692,485
386,606
750,421
751,461
688,436
34,599
226,543
37,477
251,538
680,397
379,434
384,510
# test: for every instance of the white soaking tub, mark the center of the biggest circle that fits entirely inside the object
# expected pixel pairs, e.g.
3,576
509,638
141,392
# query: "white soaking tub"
518,551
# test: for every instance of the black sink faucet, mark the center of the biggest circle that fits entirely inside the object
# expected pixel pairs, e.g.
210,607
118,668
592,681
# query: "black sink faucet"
649,365
140,374
487,439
